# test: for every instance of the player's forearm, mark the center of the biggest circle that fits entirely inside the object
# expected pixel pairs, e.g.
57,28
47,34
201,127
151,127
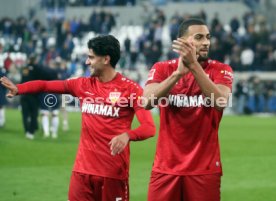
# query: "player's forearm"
154,93
207,86
146,129
41,86
143,132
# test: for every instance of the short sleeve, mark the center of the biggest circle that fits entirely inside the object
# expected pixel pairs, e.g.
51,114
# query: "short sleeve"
156,74
223,74
72,85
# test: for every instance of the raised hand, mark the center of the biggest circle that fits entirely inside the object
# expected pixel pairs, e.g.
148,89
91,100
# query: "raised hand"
186,51
118,143
182,69
10,86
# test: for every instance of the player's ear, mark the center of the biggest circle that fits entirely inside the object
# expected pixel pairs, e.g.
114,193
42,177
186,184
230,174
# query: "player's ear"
107,59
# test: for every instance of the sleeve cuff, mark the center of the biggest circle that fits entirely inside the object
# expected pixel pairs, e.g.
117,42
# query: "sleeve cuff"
131,135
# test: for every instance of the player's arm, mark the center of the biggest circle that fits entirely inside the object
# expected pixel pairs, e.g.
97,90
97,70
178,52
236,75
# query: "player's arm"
33,87
144,131
220,93
154,91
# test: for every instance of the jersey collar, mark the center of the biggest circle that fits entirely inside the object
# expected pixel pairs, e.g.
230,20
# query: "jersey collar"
206,63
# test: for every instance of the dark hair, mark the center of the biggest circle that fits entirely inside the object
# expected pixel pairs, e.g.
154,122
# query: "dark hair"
184,26
106,45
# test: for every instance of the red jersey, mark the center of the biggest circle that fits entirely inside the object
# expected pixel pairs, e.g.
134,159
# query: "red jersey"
102,122
107,111
188,137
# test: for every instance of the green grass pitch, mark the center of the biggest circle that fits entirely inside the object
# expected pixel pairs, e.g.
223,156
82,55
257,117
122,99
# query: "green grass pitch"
40,170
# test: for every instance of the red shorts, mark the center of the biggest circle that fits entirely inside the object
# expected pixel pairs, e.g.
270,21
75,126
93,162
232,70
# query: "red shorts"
84,187
164,187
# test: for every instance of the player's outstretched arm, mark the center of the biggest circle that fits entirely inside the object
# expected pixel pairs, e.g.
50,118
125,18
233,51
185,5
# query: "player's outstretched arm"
12,88
144,131
36,86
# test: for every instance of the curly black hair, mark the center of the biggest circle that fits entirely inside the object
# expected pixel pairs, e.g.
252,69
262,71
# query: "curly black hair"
106,45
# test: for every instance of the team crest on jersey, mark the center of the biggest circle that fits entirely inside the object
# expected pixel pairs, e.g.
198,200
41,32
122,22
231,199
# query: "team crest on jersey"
114,96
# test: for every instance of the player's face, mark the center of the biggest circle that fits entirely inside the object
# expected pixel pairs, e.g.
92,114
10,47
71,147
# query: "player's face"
95,63
201,39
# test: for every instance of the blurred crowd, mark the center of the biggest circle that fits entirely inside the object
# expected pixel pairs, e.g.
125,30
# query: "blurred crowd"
50,4
247,44
255,96
61,4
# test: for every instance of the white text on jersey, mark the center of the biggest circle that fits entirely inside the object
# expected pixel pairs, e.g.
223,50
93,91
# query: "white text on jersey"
100,109
186,101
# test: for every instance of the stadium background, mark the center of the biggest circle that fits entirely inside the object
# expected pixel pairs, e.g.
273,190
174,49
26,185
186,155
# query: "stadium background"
244,36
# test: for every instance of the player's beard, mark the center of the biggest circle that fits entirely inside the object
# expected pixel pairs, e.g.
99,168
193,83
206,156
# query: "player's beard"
92,71
202,57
